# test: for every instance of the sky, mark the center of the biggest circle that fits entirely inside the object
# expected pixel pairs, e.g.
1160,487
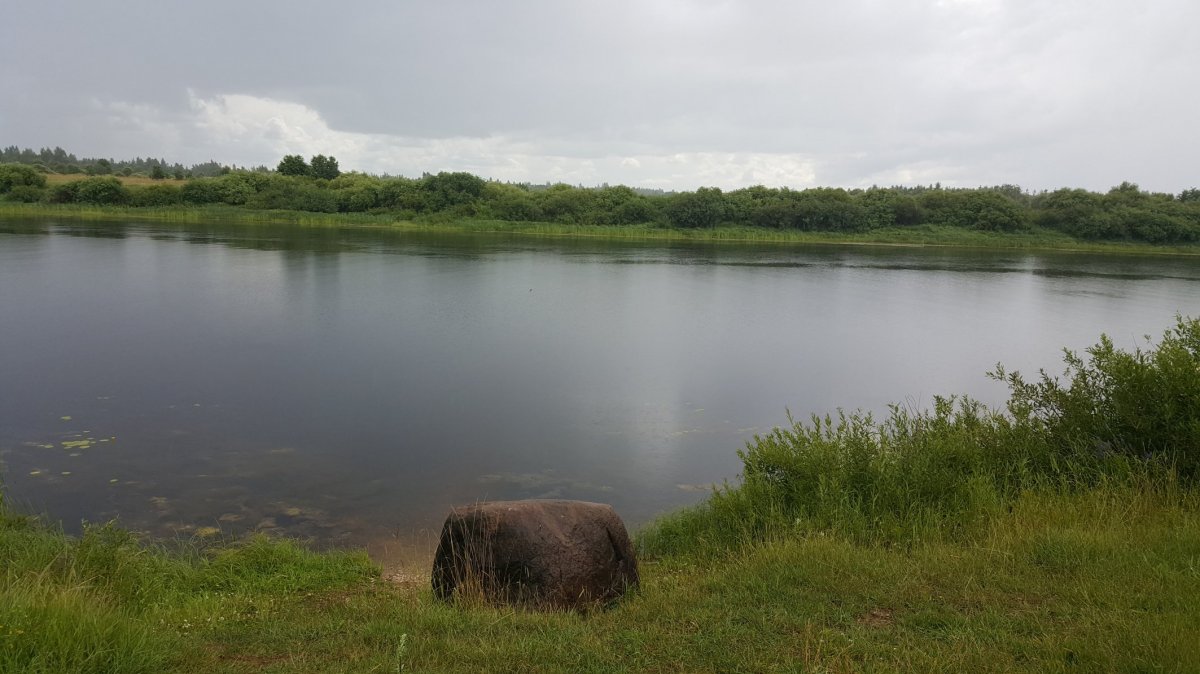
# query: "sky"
671,94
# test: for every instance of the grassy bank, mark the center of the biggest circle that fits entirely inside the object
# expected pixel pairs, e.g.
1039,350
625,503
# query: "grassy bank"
1061,535
1102,580
921,235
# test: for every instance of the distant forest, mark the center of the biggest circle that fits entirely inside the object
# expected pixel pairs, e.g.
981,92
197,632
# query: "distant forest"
1123,213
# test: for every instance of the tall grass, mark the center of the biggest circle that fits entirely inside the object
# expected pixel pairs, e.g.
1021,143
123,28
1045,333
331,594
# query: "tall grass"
944,471
106,602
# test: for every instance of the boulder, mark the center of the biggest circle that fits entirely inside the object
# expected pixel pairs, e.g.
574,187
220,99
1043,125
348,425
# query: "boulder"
540,553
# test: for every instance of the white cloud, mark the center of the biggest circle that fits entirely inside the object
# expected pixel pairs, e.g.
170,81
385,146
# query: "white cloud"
252,130
678,93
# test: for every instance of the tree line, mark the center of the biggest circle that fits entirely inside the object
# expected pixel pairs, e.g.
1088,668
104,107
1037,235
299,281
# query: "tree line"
1123,213
58,160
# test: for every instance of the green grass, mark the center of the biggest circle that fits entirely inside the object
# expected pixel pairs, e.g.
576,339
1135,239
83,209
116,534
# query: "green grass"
924,235
1098,580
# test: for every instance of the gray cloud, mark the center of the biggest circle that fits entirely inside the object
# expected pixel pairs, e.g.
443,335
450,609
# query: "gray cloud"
665,92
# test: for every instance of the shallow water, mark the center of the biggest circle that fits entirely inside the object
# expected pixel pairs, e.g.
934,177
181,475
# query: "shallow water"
349,386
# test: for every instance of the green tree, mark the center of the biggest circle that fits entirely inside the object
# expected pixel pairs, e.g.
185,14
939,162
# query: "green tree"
706,207
15,175
448,190
101,190
157,172
26,194
324,167
156,195
293,165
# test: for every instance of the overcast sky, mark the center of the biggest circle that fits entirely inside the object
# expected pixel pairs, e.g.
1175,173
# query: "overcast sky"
655,93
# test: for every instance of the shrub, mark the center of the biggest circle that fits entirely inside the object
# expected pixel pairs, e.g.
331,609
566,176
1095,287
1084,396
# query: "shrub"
26,194
104,191
201,191
156,195
18,175
706,207
947,469
1142,404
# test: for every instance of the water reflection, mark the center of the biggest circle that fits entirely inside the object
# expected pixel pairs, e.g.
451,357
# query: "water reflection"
346,385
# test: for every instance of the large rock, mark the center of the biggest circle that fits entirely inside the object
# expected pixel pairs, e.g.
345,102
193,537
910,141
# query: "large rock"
554,554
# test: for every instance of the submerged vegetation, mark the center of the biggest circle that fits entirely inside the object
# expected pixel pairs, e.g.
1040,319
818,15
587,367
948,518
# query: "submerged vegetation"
985,215
1060,534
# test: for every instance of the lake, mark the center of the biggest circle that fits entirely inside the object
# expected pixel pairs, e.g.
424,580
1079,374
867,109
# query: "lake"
351,385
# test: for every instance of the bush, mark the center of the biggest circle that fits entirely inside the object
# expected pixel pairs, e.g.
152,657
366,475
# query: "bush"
706,207
102,191
296,194
448,190
948,469
156,195
26,194
19,175
1142,404
63,193
201,191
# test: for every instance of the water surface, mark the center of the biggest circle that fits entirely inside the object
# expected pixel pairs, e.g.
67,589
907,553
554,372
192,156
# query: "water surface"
347,385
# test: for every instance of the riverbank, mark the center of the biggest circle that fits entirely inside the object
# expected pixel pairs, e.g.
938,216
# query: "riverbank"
1063,534
919,235
1101,580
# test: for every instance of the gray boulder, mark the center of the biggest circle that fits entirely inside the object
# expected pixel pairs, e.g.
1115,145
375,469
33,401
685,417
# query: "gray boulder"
548,554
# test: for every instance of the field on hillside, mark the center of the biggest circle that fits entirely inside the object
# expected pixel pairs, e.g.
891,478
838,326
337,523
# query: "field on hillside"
59,178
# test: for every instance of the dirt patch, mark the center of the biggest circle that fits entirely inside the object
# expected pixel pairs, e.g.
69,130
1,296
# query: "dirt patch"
877,618
405,578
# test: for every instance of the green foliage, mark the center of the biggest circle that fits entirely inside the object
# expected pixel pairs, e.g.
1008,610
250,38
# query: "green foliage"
452,191
156,195
106,191
983,209
897,214
293,193
1140,405
404,195
26,194
945,471
19,175
63,193
890,208
293,165
706,207
357,192
102,167
201,191
566,204
1077,212
512,203
323,167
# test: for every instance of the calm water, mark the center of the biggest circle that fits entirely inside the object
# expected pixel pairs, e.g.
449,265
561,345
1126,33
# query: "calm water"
352,385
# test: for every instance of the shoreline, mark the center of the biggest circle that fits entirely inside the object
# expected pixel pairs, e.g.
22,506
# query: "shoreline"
920,236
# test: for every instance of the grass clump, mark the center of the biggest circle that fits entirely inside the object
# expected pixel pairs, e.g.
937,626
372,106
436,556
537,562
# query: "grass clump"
947,470
107,602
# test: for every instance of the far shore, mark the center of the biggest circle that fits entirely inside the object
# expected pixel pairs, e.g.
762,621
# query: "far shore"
916,236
